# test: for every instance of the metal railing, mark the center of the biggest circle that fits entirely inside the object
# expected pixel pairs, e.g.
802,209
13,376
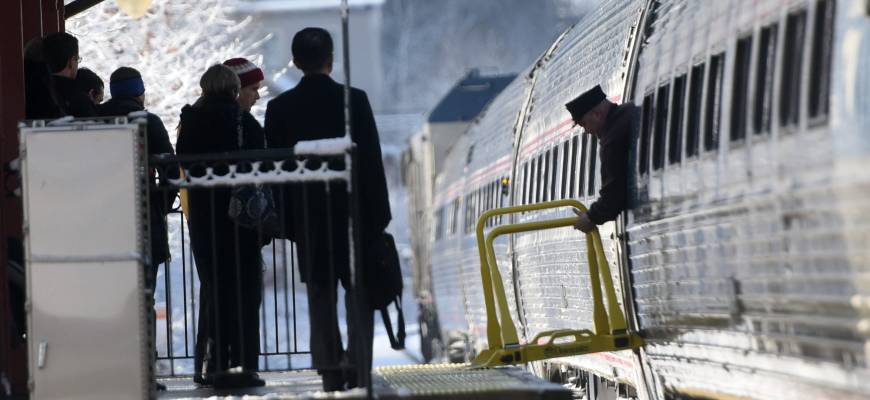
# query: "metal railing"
283,314
280,331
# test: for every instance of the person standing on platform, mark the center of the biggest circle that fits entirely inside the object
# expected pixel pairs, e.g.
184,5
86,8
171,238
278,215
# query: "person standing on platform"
61,52
312,110
250,79
90,83
38,101
612,125
128,95
227,255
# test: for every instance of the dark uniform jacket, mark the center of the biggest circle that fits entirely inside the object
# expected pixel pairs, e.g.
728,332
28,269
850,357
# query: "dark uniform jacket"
70,98
615,143
314,109
158,143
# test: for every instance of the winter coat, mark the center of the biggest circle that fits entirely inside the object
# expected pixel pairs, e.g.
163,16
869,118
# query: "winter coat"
314,109
38,101
227,255
614,151
70,98
211,126
158,143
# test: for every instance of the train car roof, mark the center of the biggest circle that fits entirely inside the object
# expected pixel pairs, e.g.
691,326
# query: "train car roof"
469,97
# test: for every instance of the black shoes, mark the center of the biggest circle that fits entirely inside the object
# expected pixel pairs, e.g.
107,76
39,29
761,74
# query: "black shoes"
337,380
333,381
230,380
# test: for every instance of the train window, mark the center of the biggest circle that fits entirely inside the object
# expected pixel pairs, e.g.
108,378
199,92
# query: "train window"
790,87
540,166
554,169
696,91
712,114
675,136
575,142
469,211
545,176
764,79
593,148
454,217
525,183
493,195
565,168
820,68
645,131
439,223
661,123
740,88
583,157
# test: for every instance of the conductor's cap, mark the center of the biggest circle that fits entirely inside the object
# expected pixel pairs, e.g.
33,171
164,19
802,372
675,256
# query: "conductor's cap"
585,102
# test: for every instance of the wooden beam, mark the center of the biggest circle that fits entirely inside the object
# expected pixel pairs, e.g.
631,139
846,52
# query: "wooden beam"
13,360
78,6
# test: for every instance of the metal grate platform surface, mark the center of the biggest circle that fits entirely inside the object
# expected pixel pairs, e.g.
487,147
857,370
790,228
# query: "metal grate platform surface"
413,382
458,381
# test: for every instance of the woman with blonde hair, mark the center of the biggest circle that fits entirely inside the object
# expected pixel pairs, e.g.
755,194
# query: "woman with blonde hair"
227,255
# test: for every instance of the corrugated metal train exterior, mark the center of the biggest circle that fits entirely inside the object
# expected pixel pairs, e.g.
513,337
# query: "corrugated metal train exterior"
742,259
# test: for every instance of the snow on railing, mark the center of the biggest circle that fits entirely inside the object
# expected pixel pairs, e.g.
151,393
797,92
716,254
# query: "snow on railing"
323,151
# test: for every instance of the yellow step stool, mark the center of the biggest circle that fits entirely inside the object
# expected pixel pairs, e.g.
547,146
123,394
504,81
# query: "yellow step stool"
609,332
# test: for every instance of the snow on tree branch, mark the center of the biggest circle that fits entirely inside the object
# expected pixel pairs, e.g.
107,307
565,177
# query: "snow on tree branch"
172,45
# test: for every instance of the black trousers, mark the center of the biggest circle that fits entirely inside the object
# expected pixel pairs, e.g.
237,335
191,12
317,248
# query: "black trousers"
231,286
327,352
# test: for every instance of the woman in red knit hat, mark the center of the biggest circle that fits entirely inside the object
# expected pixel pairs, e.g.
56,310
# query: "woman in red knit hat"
251,78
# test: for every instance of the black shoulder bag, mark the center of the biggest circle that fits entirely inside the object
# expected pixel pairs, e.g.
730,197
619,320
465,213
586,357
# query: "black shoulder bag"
383,275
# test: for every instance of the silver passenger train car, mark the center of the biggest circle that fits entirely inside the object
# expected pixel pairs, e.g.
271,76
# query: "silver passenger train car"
742,259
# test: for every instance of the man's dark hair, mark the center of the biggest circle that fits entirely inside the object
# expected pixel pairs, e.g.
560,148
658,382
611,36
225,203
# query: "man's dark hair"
58,48
123,73
312,49
88,80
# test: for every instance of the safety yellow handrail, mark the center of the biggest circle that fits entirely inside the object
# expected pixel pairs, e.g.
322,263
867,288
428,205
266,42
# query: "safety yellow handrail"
501,330
493,329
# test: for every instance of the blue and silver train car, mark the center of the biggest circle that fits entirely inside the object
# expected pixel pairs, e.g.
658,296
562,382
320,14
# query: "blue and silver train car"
742,257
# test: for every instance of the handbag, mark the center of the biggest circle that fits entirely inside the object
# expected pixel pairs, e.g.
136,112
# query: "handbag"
253,206
383,274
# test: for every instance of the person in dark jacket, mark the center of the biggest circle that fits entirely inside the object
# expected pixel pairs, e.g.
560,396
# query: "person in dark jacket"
318,221
251,79
227,255
38,101
91,83
128,96
61,52
612,124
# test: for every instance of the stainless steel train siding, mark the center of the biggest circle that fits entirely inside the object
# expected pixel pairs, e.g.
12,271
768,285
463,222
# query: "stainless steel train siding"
488,160
552,273
745,244
742,241
448,283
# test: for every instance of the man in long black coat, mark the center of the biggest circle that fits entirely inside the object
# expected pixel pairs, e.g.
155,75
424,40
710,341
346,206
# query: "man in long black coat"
318,221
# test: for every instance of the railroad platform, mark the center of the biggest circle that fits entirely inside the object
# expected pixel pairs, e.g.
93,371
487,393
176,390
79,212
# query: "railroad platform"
428,381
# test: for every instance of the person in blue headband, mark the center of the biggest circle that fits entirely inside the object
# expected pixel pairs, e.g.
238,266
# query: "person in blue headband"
128,95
